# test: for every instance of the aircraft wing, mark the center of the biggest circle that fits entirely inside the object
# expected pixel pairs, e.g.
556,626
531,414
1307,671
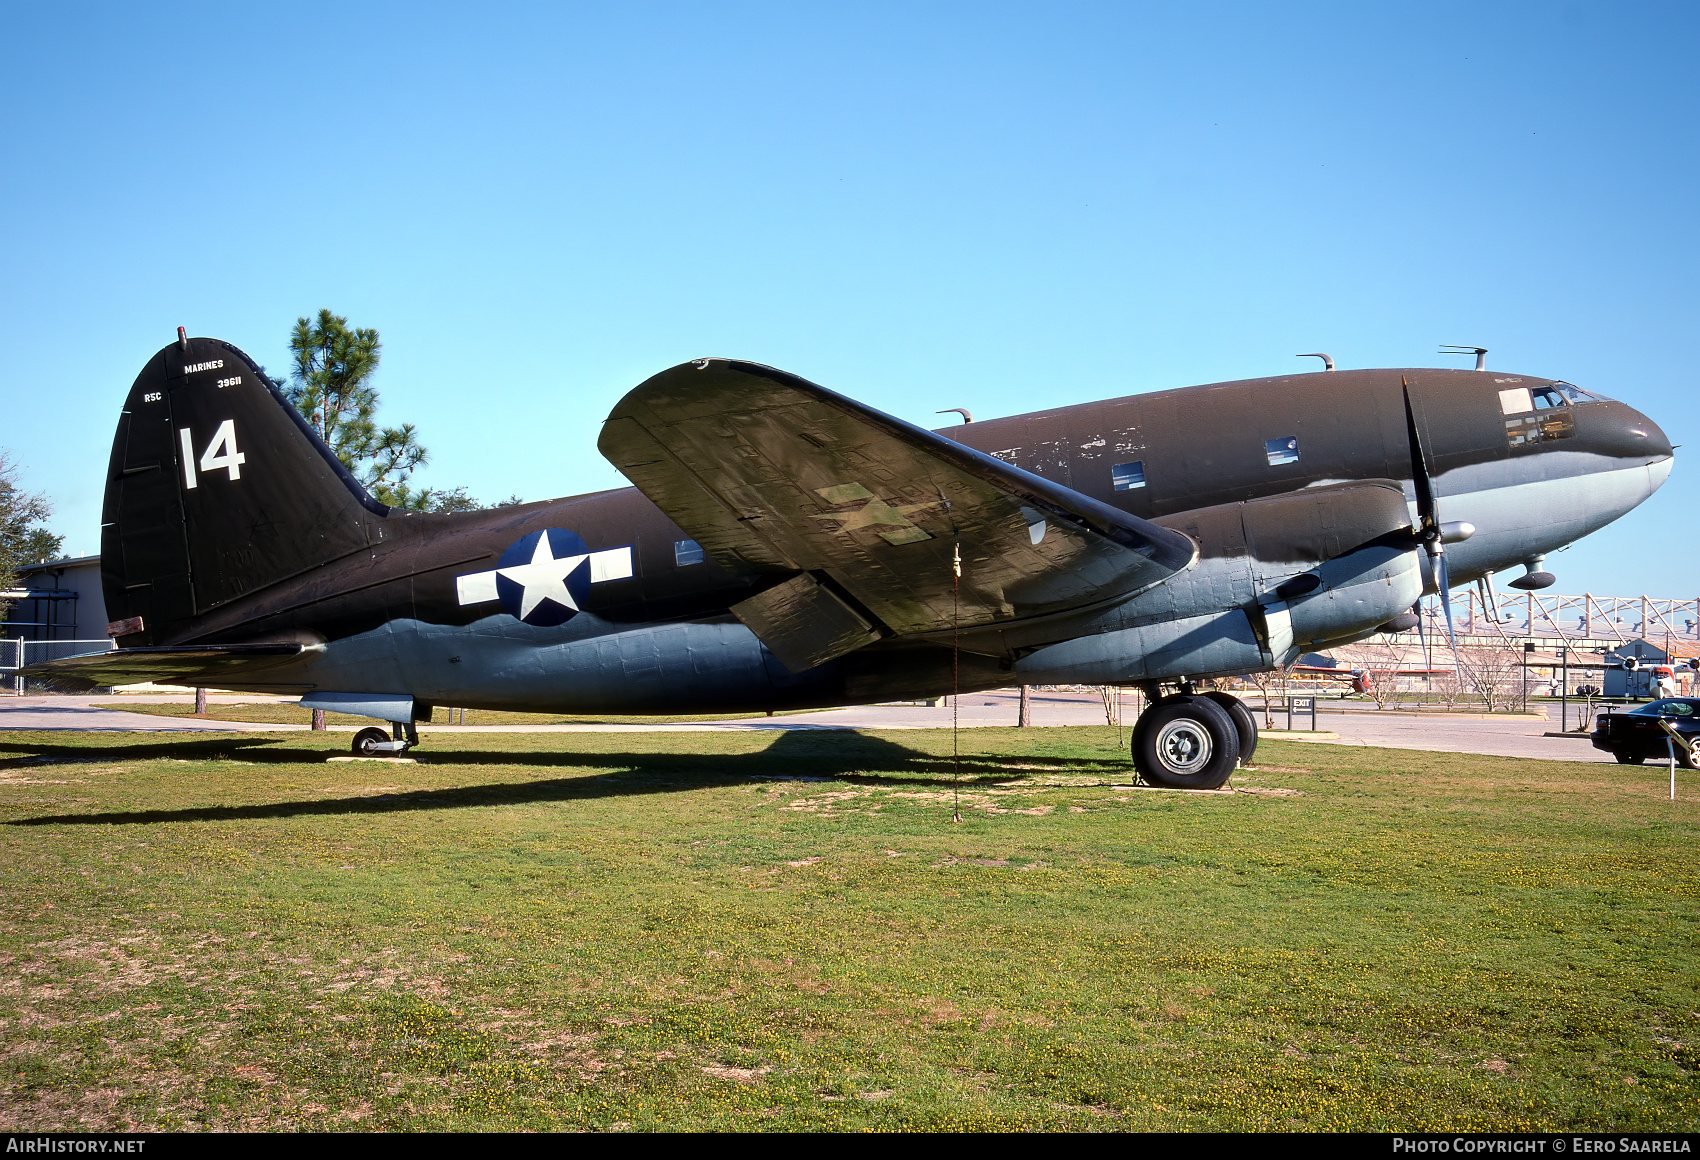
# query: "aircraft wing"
217,666
856,516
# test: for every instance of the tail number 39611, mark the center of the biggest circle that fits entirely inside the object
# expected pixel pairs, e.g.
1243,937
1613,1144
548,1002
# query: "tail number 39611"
221,453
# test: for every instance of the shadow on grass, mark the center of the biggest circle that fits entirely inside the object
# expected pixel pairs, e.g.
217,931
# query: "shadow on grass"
209,749
846,757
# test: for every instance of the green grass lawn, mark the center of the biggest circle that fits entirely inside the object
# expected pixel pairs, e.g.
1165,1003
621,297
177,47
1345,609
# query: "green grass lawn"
788,931
290,713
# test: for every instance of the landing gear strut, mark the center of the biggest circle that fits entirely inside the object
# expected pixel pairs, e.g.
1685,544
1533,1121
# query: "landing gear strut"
1192,740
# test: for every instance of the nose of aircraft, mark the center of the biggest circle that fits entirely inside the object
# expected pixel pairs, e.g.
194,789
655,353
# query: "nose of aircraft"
1620,431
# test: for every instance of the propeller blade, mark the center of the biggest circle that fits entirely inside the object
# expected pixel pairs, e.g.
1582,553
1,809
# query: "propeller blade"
1422,636
1446,603
1421,482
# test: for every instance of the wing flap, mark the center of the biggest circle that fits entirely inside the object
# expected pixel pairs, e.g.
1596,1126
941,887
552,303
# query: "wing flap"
773,474
804,623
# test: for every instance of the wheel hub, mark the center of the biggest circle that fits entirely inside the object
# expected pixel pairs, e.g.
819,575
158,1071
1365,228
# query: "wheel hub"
1184,745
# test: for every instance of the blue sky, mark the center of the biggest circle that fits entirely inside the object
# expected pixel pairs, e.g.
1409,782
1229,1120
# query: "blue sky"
924,206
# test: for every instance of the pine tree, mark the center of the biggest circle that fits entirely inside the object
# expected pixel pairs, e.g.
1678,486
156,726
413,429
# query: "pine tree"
331,386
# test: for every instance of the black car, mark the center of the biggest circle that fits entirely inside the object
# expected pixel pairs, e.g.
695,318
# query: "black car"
1635,736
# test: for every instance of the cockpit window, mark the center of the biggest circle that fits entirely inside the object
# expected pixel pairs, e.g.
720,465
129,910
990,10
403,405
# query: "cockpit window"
1575,394
1559,395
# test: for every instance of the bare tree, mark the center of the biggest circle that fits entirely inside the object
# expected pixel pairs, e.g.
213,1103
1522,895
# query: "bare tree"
1273,685
1447,688
1492,673
1380,682
1264,683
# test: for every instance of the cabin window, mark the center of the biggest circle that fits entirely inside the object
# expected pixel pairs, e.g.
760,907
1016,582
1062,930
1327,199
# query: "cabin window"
1127,476
687,552
1515,401
1282,450
1546,398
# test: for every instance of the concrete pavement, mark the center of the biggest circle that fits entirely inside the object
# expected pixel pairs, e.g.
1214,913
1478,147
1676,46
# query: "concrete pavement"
1504,736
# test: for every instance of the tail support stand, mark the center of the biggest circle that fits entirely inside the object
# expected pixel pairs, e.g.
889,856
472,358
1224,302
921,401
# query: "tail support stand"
956,680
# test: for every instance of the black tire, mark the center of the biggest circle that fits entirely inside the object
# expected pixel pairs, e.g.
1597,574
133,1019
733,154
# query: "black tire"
1629,758
366,740
1244,723
1186,743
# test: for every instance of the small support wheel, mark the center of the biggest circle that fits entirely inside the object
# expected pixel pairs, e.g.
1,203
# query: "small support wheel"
1624,758
366,742
1244,723
1186,742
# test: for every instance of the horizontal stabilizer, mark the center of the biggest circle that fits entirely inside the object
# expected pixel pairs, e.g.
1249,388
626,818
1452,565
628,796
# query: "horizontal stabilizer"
216,666
775,476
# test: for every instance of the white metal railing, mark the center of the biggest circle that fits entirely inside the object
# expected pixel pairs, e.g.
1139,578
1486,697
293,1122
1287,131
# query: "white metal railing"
1536,616
16,652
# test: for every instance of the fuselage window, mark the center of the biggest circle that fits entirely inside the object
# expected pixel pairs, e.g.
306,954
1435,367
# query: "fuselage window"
1127,476
687,552
1282,450
1516,401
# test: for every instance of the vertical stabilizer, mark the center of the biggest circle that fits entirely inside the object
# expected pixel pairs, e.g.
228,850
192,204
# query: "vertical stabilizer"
216,488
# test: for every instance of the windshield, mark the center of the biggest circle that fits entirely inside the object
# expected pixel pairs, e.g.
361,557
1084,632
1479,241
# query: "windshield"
1558,394
1669,708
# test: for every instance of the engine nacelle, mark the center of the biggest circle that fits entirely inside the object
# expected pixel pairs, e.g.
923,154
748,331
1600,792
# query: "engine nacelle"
1273,577
1220,644
1357,594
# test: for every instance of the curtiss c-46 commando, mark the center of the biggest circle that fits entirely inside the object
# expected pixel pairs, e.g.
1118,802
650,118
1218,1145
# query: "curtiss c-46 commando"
787,547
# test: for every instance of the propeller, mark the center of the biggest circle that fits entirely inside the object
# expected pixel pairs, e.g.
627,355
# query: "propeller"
1429,530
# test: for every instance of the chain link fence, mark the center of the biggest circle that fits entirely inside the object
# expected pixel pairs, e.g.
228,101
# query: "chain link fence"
16,652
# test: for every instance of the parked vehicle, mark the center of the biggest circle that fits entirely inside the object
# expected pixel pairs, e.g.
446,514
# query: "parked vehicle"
1635,736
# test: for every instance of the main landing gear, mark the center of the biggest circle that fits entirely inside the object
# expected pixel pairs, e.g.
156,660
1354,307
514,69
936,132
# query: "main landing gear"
374,742
1192,740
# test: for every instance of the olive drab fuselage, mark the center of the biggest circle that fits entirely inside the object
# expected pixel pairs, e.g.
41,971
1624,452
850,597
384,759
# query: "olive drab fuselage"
1209,530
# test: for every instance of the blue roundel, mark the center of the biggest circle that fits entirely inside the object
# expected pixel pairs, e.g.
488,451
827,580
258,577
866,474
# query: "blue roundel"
544,578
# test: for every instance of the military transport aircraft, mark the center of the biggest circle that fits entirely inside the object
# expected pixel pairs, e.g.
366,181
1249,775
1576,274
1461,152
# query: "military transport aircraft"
787,547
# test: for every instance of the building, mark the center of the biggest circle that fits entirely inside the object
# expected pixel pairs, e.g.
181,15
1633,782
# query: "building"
1652,662
58,600
57,610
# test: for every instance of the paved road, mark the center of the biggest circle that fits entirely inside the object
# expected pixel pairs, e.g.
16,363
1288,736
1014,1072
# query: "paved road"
1450,733
1508,737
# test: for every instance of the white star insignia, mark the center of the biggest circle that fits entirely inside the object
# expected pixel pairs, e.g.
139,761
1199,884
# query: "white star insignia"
545,578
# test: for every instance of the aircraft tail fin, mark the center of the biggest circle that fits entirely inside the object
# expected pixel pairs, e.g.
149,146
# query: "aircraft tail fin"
216,488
